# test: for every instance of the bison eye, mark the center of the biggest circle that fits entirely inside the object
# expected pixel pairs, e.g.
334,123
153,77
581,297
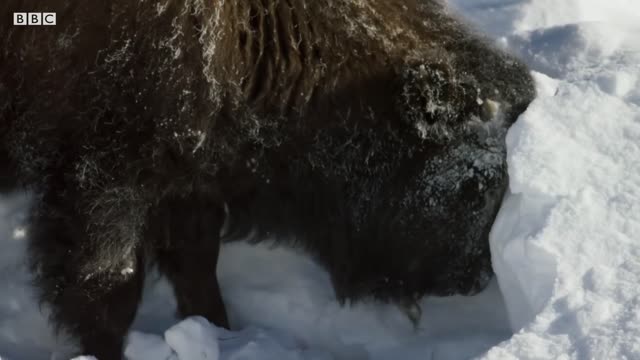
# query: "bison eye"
472,189
436,102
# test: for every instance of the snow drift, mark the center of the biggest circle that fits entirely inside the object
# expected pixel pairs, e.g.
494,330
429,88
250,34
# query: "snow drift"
565,245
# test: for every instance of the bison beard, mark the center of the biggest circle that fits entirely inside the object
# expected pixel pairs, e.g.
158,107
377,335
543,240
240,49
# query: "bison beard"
369,133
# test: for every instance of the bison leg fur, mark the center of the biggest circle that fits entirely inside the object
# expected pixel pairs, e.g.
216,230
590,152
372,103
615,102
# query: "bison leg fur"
187,234
96,309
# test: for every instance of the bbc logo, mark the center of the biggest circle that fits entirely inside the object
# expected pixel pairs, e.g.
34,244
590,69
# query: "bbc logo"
34,18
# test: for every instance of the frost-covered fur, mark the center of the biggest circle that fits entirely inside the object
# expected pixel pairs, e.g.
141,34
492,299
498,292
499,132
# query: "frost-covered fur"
370,133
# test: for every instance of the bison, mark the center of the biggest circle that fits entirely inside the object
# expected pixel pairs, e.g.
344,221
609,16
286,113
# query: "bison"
369,133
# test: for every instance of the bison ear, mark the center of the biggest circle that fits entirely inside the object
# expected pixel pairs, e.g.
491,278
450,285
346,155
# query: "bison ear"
435,101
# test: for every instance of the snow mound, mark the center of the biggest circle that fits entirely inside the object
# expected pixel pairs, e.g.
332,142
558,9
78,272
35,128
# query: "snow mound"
566,244
191,339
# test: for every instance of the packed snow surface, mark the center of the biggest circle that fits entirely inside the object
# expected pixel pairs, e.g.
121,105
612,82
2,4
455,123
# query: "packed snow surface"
565,246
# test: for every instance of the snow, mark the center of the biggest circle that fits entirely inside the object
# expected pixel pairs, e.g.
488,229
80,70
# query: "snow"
565,246
190,339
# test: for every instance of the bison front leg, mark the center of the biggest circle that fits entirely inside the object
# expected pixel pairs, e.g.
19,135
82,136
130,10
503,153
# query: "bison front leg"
93,304
187,234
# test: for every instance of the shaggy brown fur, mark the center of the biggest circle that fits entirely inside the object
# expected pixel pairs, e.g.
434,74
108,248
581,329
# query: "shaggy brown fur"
365,131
